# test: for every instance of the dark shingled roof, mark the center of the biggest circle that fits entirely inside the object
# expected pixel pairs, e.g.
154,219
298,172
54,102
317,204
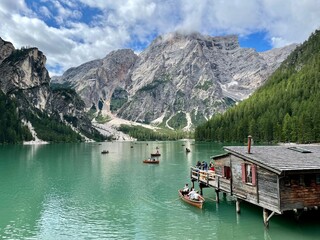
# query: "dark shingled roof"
281,158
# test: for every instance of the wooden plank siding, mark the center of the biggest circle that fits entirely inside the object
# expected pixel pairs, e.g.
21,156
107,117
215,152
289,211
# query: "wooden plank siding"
264,193
268,189
298,191
240,189
223,184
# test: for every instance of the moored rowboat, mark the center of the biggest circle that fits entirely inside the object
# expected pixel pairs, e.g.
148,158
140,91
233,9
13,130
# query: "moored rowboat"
155,154
196,203
152,161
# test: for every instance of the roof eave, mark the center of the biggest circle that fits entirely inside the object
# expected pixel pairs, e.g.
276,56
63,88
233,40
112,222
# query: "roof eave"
252,160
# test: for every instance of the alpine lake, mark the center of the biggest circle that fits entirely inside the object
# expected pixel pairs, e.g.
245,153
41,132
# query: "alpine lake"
72,191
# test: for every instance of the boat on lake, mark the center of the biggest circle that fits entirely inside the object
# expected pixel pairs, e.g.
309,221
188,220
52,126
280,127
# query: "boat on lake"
193,202
157,154
104,152
152,161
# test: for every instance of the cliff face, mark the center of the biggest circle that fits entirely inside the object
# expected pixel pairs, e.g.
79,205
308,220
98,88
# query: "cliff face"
95,81
178,81
6,48
24,73
25,79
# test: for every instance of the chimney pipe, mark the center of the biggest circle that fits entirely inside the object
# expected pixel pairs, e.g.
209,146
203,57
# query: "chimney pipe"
249,144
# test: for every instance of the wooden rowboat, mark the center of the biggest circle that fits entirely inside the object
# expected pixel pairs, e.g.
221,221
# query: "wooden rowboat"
196,203
155,154
151,161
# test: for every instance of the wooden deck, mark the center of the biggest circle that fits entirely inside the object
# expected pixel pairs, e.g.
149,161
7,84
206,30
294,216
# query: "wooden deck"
205,177
209,178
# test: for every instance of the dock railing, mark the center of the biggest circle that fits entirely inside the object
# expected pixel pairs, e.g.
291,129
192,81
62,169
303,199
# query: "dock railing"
207,177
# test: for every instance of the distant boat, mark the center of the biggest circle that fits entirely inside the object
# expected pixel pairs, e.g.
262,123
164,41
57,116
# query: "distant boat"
193,202
152,161
155,154
188,150
104,152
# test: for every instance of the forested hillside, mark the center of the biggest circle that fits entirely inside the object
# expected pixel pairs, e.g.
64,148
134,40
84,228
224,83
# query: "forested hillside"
285,109
11,130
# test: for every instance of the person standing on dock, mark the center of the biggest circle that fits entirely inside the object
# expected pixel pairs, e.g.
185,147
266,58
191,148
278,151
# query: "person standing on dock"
204,165
198,165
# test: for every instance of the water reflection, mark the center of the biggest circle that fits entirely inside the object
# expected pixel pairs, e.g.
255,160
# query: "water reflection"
68,191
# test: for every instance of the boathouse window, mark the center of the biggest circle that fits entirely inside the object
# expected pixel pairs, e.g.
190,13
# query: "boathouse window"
308,179
226,172
318,178
301,180
295,180
287,181
249,174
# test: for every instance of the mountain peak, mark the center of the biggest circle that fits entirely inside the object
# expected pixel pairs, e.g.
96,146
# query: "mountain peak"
180,80
6,48
228,42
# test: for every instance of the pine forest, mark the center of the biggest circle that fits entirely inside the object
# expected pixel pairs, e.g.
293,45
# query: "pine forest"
285,109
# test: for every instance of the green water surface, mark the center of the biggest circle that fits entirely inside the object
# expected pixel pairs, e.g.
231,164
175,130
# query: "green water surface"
72,191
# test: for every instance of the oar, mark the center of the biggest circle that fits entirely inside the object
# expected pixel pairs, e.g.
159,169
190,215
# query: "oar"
174,200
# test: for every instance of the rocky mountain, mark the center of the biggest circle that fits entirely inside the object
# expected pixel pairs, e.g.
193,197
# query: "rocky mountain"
179,81
57,115
285,109
6,48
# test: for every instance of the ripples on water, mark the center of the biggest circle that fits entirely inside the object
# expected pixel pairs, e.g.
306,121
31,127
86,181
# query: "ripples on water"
71,191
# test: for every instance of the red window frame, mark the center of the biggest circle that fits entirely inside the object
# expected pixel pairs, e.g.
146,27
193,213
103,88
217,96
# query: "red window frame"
249,177
226,172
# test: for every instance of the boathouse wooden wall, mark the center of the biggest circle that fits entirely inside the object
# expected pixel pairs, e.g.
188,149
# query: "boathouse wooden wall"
240,189
264,193
222,182
268,190
275,192
300,190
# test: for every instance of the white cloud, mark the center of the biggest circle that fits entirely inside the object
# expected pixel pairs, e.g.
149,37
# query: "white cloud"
45,11
8,6
119,22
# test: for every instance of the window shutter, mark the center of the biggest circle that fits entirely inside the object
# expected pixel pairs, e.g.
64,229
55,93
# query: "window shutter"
254,175
243,167
223,171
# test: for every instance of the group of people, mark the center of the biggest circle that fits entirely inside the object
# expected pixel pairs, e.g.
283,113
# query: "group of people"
204,165
193,194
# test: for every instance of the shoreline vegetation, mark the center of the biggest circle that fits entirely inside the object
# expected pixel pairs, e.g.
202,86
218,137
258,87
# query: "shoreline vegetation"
144,134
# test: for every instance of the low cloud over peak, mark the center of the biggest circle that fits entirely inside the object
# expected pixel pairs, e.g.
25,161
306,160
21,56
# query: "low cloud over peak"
71,32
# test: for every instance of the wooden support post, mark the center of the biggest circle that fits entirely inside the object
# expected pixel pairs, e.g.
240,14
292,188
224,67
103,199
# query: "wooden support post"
265,217
297,214
224,195
238,205
217,196
193,184
201,192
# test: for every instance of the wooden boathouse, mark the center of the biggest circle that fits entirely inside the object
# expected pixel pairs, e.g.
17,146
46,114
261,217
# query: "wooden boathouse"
276,178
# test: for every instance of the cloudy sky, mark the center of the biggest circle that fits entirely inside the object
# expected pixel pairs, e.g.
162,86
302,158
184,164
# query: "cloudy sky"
71,32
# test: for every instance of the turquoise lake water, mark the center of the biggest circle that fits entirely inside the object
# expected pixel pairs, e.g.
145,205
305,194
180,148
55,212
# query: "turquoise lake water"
72,191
